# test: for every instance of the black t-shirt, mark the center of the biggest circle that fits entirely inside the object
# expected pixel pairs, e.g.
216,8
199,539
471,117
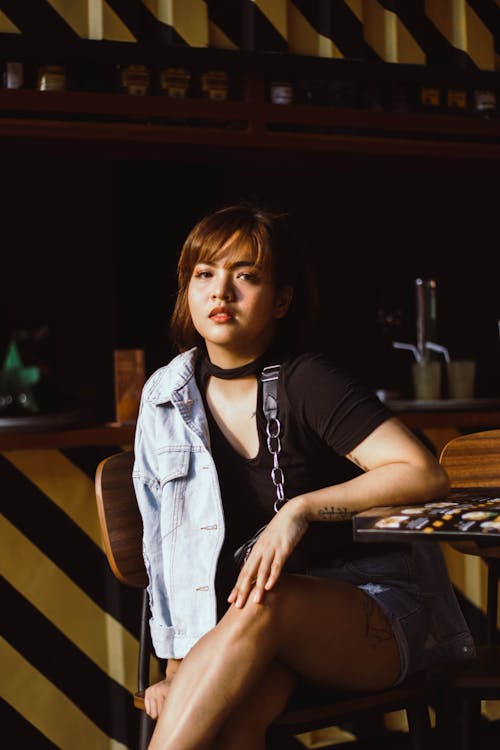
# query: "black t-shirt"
324,413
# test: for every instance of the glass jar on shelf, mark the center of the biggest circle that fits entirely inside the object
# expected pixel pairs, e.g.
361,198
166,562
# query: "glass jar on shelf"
13,75
174,82
457,100
51,78
281,92
215,85
431,98
135,79
484,102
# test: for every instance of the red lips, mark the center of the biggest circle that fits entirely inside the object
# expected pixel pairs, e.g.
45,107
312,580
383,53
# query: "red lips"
220,314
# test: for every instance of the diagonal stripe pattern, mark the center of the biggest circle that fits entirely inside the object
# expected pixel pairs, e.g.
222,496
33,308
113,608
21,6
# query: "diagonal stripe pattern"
72,627
458,33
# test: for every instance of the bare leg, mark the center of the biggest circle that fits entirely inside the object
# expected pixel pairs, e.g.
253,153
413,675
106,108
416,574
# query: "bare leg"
246,727
327,631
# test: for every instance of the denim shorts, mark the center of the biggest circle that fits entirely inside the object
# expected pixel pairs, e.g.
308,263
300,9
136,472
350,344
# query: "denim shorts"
387,578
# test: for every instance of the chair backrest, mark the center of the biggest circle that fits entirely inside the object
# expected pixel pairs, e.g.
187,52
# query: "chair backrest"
473,461
120,520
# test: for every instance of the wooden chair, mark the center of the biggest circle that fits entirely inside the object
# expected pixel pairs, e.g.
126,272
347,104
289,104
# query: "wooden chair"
472,461
121,527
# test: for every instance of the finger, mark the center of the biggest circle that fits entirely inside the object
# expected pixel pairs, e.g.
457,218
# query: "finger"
262,577
150,705
243,592
160,702
246,581
275,572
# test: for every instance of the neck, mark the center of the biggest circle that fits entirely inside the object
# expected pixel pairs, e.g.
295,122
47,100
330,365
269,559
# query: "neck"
229,360
230,363
244,369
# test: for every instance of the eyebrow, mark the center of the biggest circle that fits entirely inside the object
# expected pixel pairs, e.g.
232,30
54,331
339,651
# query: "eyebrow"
234,265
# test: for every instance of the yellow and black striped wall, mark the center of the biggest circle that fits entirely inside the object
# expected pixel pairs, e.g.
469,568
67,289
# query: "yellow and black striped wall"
422,32
69,641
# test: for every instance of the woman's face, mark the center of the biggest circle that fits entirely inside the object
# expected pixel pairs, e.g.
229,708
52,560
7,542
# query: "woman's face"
234,306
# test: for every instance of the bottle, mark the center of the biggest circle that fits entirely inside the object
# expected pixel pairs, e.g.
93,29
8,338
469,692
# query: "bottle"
484,102
13,76
281,92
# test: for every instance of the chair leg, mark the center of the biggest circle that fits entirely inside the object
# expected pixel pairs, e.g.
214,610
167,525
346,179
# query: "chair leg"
144,645
469,723
419,725
447,709
146,727
458,722
492,600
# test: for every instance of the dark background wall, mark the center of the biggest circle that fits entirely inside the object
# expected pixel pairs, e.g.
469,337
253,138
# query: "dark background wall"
89,249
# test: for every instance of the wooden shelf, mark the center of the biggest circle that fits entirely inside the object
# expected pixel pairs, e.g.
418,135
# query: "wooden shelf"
107,434
68,438
158,126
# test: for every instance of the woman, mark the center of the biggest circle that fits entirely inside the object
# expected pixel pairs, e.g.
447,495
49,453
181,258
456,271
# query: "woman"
353,616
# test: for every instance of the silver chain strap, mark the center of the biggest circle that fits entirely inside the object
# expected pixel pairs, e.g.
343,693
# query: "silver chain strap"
273,430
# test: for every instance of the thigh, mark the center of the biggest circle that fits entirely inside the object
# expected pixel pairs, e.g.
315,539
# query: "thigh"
334,633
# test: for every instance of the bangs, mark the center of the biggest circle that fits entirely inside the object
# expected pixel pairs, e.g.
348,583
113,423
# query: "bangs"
235,233
242,245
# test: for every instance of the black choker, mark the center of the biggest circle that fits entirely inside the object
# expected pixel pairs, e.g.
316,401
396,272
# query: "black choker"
250,368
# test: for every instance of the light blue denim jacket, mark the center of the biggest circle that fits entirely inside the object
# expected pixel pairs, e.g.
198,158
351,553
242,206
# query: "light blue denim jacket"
180,502
179,498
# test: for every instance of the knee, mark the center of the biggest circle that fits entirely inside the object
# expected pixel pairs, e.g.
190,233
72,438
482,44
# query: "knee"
266,617
252,617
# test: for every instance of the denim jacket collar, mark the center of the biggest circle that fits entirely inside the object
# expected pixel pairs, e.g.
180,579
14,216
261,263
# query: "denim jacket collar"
167,383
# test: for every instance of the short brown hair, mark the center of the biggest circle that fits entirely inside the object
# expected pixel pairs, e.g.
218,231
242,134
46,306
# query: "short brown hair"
266,232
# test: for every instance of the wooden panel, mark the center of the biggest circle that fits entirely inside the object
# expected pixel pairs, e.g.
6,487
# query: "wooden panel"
473,460
120,520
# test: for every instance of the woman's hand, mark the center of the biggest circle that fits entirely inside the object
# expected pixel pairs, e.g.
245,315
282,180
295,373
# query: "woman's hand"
270,553
155,695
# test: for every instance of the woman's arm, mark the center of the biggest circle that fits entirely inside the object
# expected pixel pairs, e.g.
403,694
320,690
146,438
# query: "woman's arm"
397,469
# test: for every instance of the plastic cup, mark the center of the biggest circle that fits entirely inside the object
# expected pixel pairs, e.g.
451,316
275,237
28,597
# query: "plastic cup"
461,376
426,380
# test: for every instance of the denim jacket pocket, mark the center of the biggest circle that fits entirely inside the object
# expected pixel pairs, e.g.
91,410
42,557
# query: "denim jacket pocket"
173,462
173,469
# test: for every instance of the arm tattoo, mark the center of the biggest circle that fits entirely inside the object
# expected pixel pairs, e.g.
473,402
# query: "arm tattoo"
334,514
376,633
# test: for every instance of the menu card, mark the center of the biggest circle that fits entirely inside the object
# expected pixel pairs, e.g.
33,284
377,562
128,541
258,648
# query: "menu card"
472,513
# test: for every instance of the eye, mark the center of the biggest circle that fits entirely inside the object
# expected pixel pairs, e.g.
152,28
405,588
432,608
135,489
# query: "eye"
248,276
202,273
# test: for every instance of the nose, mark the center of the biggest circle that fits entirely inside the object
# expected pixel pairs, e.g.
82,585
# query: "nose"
222,287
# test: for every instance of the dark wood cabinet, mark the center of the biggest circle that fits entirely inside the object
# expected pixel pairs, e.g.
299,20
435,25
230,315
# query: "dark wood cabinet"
161,127
99,189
